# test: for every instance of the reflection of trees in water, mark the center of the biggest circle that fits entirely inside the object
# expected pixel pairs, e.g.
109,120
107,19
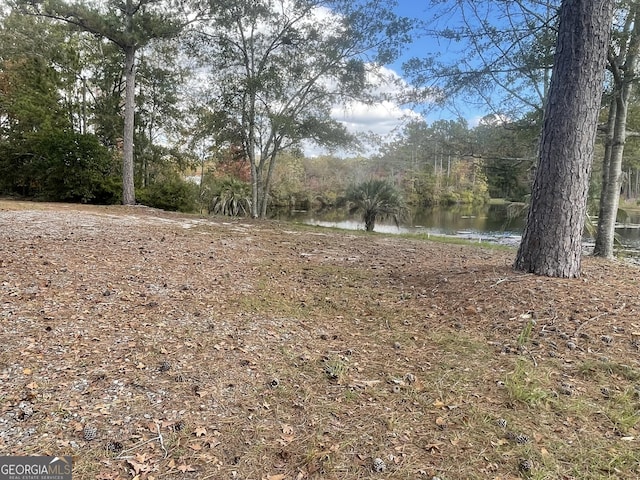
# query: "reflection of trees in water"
491,220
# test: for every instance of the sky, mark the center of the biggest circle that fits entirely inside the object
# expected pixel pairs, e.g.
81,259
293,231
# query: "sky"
386,119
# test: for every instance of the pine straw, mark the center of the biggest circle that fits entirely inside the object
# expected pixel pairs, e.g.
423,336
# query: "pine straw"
208,348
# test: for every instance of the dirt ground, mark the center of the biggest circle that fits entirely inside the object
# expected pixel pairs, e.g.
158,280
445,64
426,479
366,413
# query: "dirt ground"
151,345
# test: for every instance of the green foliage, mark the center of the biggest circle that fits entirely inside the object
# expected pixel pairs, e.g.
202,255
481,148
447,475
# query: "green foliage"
226,196
58,166
375,199
170,192
278,74
435,164
76,168
510,151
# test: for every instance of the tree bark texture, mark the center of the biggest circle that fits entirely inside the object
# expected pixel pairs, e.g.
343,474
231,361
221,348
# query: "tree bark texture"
610,194
623,68
552,240
128,189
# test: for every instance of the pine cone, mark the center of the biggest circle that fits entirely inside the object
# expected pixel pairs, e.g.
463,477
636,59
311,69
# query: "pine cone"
379,465
89,433
115,447
178,426
525,465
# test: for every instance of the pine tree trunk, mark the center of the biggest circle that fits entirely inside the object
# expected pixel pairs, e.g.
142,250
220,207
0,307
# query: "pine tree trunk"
128,189
552,240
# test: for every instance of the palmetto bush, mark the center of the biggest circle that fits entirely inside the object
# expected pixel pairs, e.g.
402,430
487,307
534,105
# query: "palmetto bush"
375,199
227,196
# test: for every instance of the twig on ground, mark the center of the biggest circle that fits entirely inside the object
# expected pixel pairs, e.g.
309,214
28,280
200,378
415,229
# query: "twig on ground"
166,454
500,280
581,326
140,444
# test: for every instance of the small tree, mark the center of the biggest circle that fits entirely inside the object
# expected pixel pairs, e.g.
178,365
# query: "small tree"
375,199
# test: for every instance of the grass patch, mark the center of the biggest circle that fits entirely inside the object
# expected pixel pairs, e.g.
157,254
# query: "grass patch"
608,368
523,385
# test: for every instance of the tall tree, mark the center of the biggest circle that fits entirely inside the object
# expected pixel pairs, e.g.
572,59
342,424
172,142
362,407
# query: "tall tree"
157,107
552,240
280,66
622,63
130,25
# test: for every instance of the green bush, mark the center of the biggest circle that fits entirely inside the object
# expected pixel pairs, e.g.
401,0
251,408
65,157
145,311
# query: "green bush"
226,196
171,193
59,166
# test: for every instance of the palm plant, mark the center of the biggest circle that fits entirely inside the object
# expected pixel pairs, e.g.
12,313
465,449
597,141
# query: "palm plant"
375,199
230,197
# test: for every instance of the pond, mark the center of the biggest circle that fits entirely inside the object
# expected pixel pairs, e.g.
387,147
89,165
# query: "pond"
498,223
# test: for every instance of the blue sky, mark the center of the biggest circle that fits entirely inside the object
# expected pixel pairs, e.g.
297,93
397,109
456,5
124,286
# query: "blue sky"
386,119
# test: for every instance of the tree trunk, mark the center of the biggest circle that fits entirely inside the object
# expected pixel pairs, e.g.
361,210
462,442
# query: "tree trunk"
552,240
610,196
267,180
623,75
601,232
254,184
128,189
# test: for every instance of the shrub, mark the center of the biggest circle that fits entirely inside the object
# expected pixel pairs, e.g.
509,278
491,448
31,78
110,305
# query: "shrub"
59,166
226,196
171,193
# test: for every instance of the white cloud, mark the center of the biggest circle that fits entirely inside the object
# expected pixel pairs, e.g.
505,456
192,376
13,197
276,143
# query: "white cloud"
381,118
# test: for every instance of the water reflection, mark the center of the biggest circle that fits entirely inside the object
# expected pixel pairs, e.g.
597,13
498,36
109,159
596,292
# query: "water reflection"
495,223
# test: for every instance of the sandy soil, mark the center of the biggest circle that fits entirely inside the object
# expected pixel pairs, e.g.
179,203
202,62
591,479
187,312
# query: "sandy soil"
155,345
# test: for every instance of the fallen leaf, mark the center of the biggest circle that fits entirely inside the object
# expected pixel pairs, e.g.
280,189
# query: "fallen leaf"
433,447
27,371
287,439
184,468
138,467
195,446
276,477
287,429
200,431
